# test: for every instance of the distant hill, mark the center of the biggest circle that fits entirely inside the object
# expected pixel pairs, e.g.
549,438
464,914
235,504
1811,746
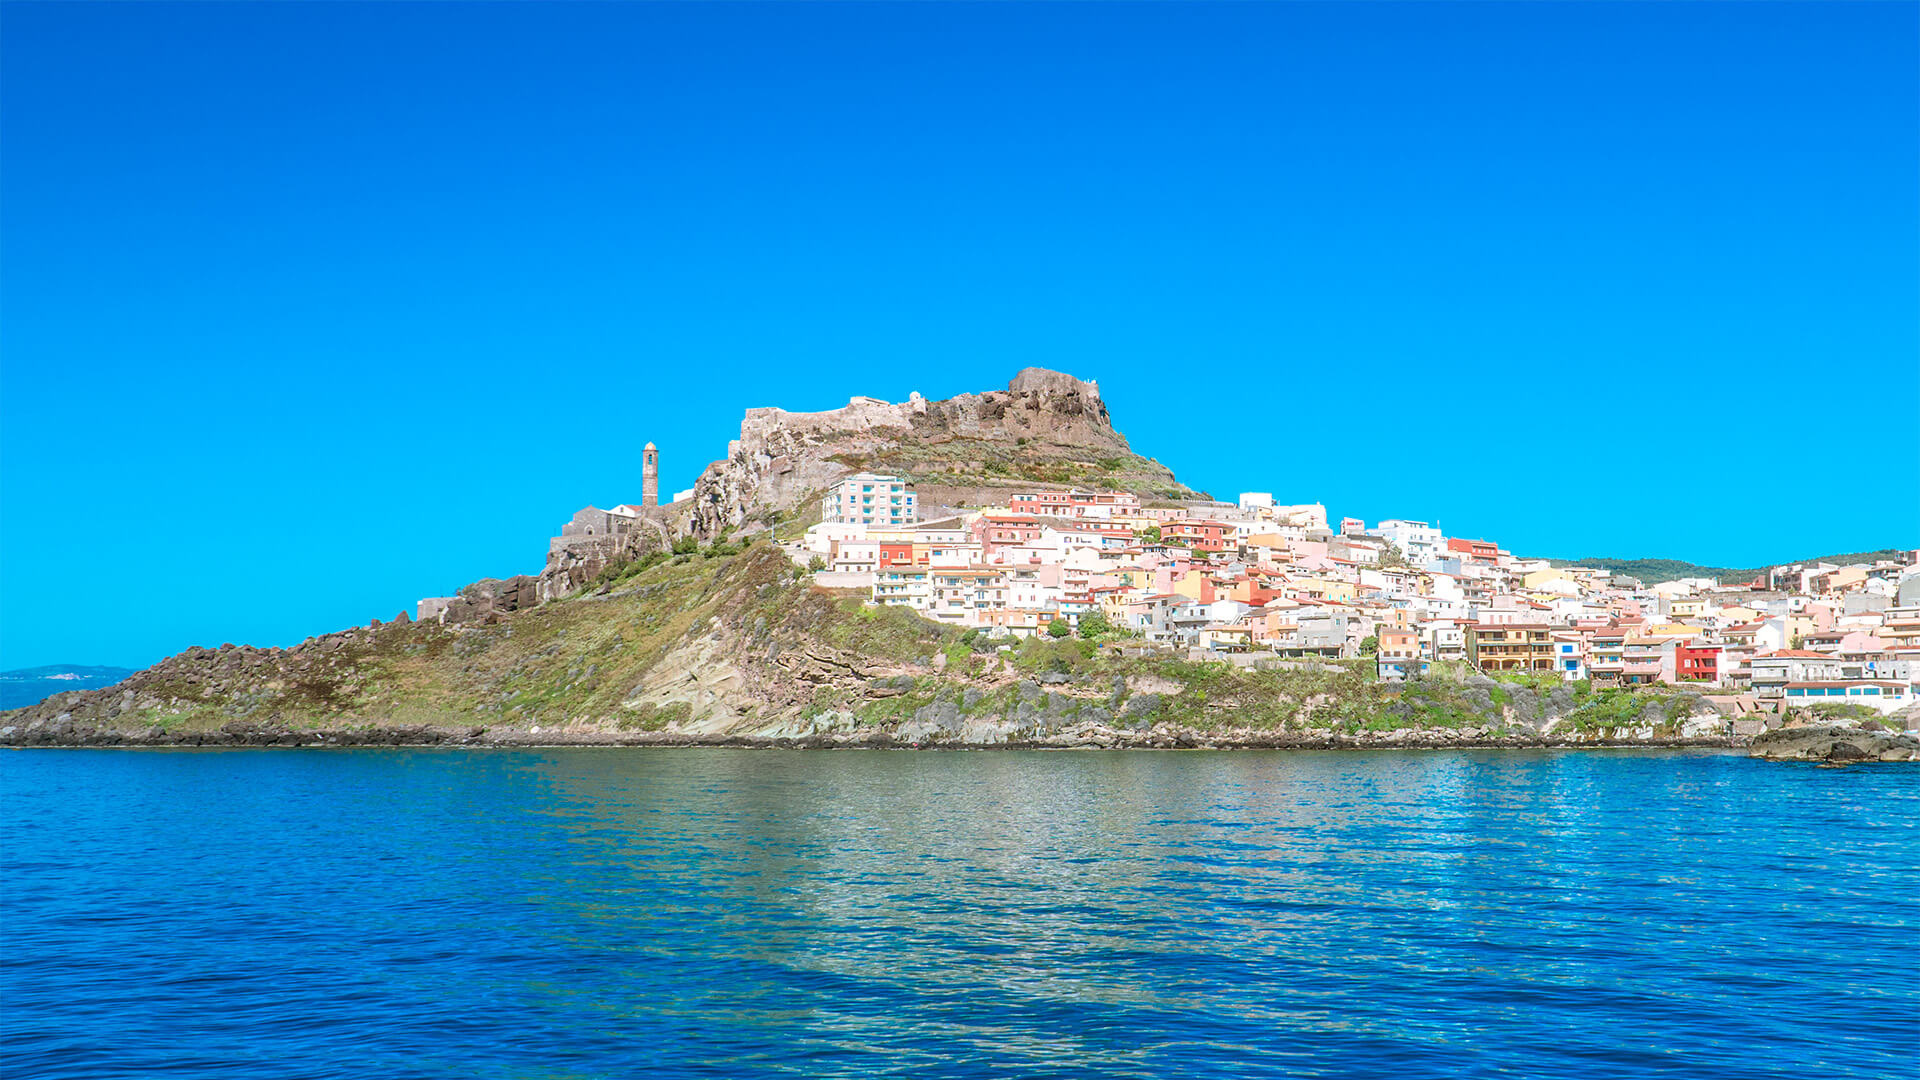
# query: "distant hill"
29,686
1654,571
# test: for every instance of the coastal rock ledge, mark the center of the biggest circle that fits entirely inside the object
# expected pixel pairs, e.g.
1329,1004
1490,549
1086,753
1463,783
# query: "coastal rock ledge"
1835,745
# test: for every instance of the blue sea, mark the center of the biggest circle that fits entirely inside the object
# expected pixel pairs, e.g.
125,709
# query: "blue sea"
740,913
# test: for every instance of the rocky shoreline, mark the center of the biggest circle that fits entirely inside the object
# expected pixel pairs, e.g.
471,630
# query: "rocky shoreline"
1835,745
267,736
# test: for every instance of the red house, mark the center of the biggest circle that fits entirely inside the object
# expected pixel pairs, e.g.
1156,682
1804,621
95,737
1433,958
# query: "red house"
1696,663
1479,551
1041,502
1197,534
995,531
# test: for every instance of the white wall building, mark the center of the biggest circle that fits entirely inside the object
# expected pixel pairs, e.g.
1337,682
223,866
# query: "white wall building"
855,556
821,538
870,499
1417,540
1305,515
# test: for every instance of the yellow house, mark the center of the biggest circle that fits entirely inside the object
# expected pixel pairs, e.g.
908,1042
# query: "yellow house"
1687,607
1841,580
1399,618
1190,585
1113,604
1268,547
1798,626
1340,592
1236,636
1539,578
1742,614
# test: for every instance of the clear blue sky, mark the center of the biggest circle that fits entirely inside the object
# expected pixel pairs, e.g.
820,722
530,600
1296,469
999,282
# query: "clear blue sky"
313,310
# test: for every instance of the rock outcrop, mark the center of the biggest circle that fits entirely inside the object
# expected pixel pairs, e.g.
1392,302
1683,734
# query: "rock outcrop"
1835,745
1045,427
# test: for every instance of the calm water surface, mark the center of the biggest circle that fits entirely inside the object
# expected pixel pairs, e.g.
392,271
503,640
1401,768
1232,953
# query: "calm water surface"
634,913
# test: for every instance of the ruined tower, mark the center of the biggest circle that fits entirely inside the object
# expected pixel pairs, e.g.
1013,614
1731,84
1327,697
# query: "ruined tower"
650,476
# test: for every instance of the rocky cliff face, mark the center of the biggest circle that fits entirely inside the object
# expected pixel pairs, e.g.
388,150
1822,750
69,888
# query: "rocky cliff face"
1045,427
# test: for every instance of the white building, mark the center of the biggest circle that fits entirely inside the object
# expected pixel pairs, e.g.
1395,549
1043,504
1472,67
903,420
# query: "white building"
855,557
904,586
1417,540
821,538
1305,515
870,499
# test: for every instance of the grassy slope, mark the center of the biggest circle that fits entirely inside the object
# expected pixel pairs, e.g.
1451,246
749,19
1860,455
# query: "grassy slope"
616,660
581,656
991,463
1215,696
1654,571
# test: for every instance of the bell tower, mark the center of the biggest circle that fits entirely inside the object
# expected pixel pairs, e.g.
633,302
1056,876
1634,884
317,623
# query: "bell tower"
650,476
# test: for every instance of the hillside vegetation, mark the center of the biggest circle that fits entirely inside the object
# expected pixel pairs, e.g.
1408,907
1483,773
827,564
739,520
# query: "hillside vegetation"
737,645
1655,571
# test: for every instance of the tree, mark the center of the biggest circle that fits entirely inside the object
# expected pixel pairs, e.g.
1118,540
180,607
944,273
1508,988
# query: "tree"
1058,628
1393,557
816,564
1369,645
1795,641
1151,534
1094,626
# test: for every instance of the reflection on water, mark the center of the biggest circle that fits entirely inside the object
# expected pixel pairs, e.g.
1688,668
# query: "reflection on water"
722,913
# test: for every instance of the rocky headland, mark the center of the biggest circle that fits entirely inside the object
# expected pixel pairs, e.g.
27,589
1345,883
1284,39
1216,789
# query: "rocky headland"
738,647
1046,427
700,629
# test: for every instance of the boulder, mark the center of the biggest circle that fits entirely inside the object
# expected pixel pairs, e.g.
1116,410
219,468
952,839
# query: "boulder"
1834,744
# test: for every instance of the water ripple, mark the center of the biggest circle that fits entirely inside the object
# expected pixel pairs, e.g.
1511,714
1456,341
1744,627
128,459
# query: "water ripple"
597,913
